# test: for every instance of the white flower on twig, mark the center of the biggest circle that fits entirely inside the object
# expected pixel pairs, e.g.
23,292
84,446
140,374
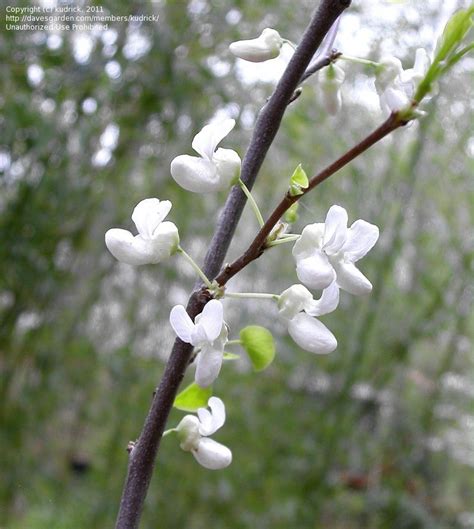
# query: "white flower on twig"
327,251
331,79
396,86
213,170
208,333
297,305
193,434
156,240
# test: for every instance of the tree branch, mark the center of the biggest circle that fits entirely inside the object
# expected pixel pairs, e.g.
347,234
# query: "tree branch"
320,64
143,455
258,245
266,128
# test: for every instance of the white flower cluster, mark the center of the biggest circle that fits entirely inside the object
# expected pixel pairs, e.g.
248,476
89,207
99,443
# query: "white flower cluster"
325,253
395,86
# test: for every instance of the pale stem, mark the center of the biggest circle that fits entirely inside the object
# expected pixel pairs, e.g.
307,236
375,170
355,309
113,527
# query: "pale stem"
292,44
252,295
252,202
358,60
167,432
234,342
283,240
196,267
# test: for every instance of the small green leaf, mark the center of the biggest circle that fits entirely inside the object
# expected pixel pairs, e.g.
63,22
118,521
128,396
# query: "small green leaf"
291,214
447,52
260,346
192,398
298,181
454,32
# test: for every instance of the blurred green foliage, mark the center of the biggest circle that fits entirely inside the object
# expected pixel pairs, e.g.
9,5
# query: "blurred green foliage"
379,434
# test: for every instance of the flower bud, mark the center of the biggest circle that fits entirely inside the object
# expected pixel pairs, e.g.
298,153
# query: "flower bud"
266,46
331,81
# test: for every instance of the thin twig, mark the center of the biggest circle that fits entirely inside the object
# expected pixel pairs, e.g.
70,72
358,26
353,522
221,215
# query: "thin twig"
320,64
142,458
258,245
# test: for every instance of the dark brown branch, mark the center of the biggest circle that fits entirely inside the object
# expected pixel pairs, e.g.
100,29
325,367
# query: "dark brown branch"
257,246
266,128
143,455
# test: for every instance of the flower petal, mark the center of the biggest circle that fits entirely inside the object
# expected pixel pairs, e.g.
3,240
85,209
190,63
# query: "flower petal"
129,249
361,238
332,101
266,46
212,319
195,174
208,364
188,433
352,280
335,231
331,80
182,323
393,99
315,271
228,167
327,303
311,335
415,75
148,214
164,243
311,239
206,141
293,300
422,61
212,455
390,69
213,420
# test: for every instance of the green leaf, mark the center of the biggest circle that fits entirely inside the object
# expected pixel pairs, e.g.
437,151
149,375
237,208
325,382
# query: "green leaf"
291,214
459,55
454,32
298,181
446,53
260,346
192,398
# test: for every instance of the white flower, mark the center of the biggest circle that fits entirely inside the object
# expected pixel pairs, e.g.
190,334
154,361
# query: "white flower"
212,170
266,46
193,435
396,86
208,333
331,79
156,240
417,73
298,306
327,252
